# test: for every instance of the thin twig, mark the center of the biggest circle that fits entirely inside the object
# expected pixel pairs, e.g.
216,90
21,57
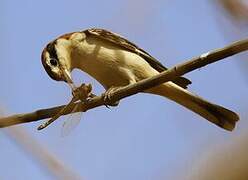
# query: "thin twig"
169,75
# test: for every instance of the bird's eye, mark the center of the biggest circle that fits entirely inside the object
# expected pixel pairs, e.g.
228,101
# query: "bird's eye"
54,62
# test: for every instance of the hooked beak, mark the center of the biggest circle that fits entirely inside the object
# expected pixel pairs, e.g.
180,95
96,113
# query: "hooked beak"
68,78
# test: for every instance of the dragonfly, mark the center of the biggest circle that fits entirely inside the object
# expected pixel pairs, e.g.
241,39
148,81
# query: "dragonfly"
71,122
81,95
84,94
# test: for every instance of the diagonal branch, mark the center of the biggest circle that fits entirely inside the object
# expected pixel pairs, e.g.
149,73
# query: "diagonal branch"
169,75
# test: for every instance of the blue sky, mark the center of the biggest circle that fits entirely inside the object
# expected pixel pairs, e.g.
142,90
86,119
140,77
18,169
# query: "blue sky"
147,137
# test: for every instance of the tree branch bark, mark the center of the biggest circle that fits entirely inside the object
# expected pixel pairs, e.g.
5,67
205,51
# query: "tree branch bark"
169,75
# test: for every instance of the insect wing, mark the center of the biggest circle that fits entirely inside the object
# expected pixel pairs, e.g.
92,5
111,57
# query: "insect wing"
71,122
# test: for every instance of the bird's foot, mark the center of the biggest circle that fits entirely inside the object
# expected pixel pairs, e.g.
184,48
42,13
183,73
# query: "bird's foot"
107,97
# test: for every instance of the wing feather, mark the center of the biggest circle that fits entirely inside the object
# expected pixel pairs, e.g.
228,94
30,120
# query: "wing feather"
124,43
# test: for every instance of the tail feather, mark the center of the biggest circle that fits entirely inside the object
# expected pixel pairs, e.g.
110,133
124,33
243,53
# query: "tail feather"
216,114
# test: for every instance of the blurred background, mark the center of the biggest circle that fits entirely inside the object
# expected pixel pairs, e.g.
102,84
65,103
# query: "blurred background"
146,137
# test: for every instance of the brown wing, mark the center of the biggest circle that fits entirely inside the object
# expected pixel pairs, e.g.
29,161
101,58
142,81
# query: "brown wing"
124,43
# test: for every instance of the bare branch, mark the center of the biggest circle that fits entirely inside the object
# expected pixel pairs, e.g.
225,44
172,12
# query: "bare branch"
169,75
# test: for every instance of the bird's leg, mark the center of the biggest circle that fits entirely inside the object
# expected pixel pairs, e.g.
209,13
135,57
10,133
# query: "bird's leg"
108,95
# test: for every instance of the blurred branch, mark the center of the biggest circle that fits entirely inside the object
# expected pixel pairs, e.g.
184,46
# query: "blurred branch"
169,75
56,167
233,22
224,161
236,8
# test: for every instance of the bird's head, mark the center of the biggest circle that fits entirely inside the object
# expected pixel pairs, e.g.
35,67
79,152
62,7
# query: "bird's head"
57,57
56,60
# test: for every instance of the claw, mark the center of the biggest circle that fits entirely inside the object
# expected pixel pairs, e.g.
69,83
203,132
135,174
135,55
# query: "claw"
107,97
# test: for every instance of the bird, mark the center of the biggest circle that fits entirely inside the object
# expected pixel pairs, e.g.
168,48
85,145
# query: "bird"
115,62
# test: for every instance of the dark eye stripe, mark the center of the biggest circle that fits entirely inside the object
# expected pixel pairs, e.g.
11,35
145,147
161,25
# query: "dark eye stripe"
51,50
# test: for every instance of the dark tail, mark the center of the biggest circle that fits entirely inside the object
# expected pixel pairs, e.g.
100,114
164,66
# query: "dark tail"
216,114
